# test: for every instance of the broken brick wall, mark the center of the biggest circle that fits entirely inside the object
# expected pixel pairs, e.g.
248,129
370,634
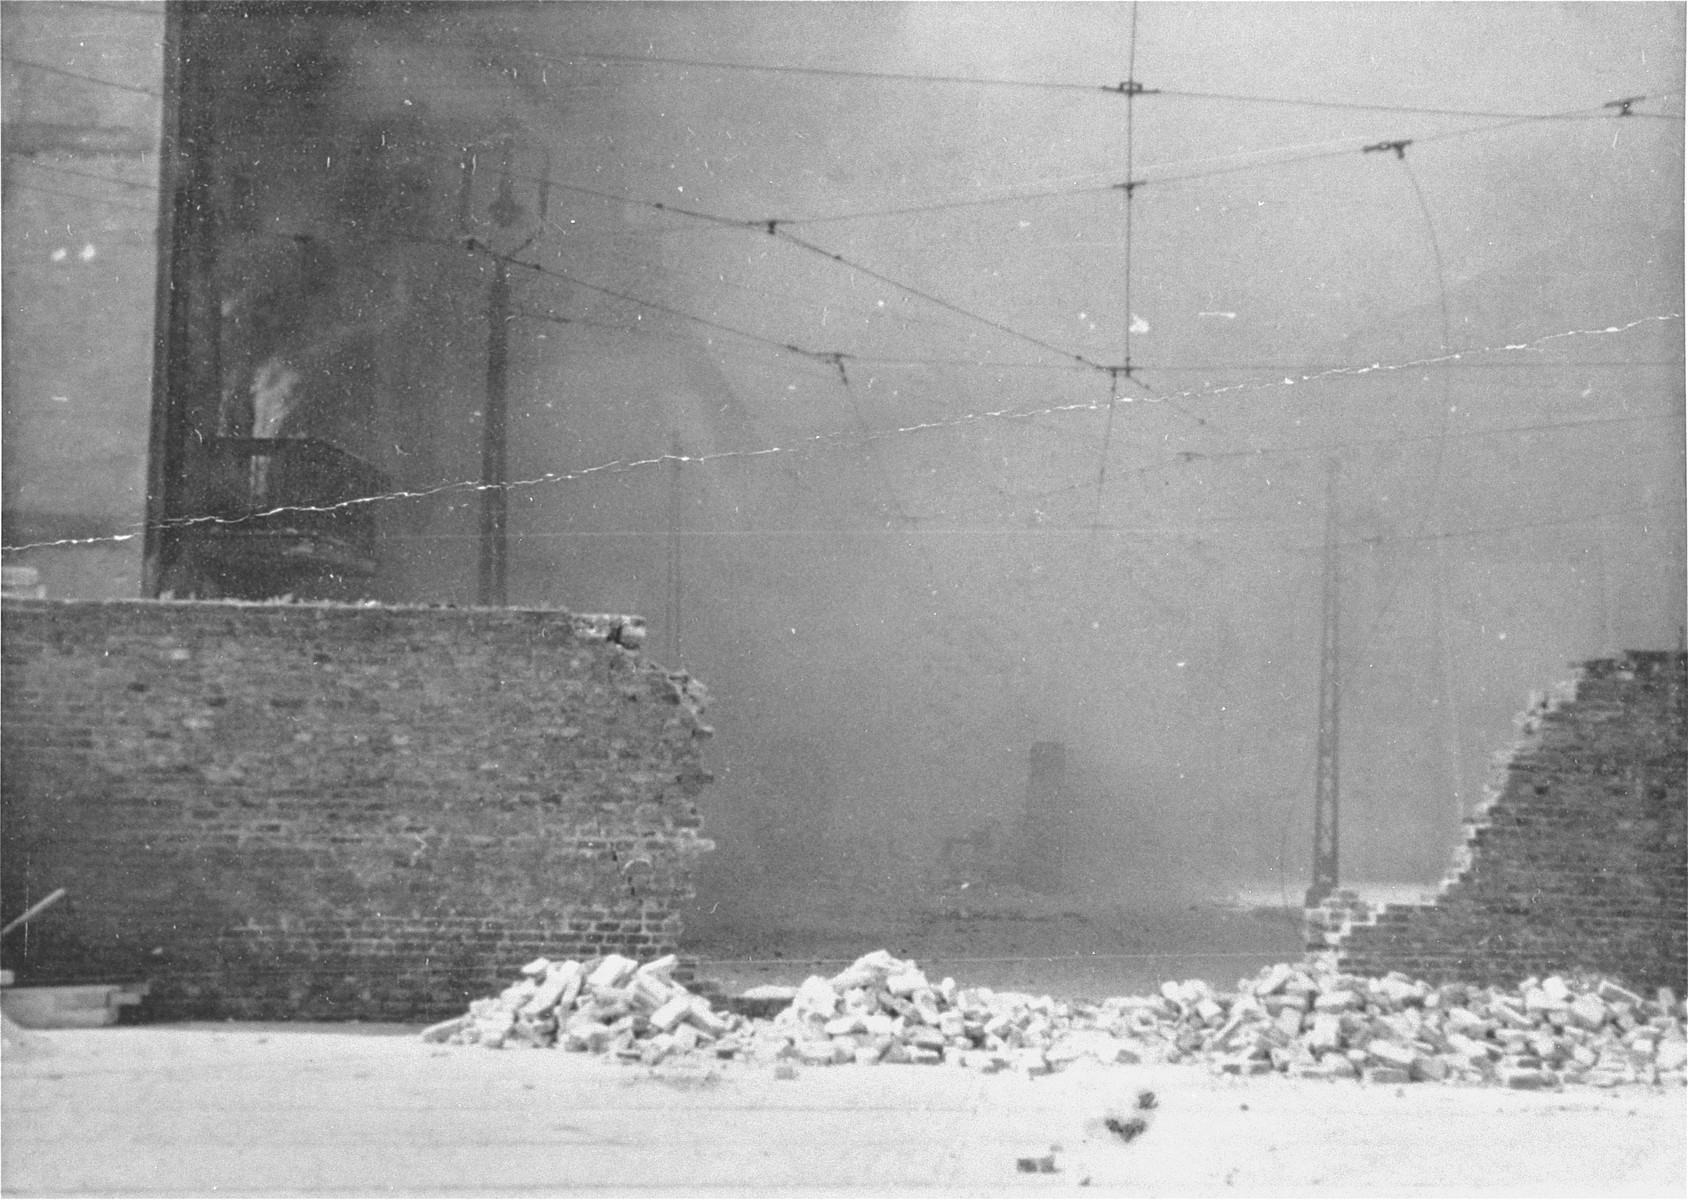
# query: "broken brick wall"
1579,858
327,811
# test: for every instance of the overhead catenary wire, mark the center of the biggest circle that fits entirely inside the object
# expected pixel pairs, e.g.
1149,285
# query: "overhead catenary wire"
1084,365
1407,109
475,245
773,227
822,359
831,357
1095,89
1337,148
1434,508
939,301
1080,362
479,246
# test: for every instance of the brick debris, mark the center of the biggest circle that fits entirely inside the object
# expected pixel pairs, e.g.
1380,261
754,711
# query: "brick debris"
1309,1020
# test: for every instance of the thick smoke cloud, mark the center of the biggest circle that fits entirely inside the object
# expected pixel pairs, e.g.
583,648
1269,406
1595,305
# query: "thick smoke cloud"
893,593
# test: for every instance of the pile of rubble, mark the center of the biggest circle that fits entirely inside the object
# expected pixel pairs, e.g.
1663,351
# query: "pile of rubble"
1312,1021
884,1009
607,1005
1308,1020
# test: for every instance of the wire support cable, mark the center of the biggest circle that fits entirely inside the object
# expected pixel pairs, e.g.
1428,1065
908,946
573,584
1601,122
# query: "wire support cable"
476,246
928,297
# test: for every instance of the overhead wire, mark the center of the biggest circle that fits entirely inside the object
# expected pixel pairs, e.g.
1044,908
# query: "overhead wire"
1363,106
31,65
939,301
775,228
1101,89
1435,489
477,246
1079,361
637,331
819,72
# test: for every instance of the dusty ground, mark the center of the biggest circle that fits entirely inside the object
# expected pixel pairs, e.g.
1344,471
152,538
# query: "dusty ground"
315,1110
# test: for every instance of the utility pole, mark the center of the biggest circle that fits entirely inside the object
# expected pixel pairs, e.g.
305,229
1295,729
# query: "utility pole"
1327,778
677,456
494,500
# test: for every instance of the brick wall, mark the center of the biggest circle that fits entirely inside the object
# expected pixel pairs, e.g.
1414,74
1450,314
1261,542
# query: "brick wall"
323,811
1579,858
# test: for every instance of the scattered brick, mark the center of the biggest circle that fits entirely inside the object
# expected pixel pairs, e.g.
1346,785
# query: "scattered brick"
1309,1020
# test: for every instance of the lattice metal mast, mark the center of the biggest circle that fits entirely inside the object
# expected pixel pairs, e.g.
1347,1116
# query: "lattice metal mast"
1327,776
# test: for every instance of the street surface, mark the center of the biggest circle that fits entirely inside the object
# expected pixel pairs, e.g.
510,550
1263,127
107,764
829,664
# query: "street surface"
275,1110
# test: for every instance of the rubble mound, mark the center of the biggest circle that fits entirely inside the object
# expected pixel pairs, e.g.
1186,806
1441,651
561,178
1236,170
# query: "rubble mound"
1307,1019
607,1005
1310,1020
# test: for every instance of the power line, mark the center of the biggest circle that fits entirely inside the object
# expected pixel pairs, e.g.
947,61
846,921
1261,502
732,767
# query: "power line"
476,246
821,357
1048,85
950,205
772,229
662,308
848,356
110,83
1128,185
1417,110
820,72
635,331
931,299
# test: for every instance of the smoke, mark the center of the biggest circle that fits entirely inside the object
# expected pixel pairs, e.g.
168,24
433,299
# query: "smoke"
791,461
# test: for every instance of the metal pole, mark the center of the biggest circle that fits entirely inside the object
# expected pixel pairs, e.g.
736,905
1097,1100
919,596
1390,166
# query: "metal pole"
1327,777
677,455
494,501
